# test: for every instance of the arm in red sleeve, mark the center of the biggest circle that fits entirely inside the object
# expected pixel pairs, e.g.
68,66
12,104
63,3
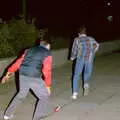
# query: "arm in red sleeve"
47,71
17,64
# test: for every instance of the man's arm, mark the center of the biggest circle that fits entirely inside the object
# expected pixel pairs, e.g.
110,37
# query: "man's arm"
74,49
95,45
47,72
13,68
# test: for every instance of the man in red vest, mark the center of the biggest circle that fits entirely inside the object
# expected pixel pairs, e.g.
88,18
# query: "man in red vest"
34,63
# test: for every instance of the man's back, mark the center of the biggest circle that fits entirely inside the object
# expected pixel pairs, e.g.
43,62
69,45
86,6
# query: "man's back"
82,45
32,64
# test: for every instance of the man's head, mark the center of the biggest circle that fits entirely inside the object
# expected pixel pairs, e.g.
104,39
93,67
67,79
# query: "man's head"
46,42
82,30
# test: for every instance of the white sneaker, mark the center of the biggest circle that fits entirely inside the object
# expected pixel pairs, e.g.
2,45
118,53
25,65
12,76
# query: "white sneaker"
86,85
5,117
86,89
74,96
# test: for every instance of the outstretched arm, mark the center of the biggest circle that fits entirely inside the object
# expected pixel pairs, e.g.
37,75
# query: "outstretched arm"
13,68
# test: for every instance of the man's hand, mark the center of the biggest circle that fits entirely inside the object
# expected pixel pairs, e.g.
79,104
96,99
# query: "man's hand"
71,58
6,77
95,47
49,90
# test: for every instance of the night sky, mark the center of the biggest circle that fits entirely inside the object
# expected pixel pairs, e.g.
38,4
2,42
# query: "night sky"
65,16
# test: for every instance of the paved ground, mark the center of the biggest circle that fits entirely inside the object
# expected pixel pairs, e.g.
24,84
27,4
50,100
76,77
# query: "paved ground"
102,103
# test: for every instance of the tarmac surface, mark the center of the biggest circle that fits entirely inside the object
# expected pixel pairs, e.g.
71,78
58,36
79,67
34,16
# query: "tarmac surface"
102,103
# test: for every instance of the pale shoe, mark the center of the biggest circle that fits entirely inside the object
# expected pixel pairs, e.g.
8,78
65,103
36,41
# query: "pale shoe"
86,89
74,96
5,117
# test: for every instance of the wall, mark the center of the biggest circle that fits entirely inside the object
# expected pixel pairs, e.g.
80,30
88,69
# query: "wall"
61,56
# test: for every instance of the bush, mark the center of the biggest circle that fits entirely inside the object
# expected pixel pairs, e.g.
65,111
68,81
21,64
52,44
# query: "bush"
23,34
17,35
5,46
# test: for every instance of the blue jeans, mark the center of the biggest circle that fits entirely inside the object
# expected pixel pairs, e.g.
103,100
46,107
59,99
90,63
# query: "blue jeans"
81,65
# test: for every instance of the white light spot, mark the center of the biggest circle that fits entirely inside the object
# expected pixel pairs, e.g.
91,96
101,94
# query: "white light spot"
108,3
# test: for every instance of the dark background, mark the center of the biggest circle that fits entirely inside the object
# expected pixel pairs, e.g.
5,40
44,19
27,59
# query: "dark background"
63,17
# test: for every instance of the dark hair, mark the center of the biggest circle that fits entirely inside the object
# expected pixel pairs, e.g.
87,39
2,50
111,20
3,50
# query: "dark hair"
82,30
47,39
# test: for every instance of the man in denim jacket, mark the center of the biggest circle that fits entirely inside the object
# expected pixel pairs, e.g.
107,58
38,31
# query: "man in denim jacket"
83,50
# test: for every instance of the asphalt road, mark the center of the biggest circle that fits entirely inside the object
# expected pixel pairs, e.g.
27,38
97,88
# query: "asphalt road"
102,103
